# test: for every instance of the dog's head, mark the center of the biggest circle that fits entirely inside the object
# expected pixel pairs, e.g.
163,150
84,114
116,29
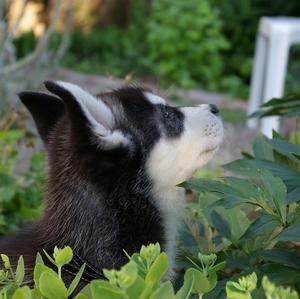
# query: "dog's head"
127,134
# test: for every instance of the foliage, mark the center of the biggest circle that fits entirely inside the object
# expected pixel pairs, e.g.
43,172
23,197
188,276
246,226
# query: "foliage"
142,277
257,218
207,44
247,286
240,19
20,193
185,41
288,106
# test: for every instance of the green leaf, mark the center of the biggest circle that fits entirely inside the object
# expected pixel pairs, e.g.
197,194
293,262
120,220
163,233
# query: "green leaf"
39,269
81,296
218,267
62,256
252,168
105,290
243,288
281,256
262,150
158,269
201,283
186,290
51,287
291,233
231,223
293,196
20,272
203,185
76,280
5,260
22,293
285,148
275,191
164,291
39,259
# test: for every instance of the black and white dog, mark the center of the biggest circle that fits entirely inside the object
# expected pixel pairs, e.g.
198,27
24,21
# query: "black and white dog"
114,163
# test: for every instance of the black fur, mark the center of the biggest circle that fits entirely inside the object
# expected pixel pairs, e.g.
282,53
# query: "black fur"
97,201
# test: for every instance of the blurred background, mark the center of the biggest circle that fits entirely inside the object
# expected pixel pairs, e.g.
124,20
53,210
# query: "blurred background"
191,51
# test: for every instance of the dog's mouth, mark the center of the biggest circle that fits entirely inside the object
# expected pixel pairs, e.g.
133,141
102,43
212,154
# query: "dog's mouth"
209,150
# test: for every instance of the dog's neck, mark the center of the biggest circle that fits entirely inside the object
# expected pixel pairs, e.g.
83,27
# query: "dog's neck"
100,226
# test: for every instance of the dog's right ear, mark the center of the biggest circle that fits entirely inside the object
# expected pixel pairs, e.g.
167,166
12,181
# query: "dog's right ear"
45,109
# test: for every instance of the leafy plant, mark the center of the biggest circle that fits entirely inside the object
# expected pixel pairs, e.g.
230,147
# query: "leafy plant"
185,41
20,191
288,106
256,216
141,277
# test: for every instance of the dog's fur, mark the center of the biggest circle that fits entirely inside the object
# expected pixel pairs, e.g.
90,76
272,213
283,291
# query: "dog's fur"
113,165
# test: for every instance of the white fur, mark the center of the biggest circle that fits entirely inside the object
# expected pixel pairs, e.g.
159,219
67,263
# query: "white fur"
99,115
173,161
154,99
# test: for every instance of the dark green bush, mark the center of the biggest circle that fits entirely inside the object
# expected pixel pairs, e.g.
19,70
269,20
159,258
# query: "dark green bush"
185,43
20,193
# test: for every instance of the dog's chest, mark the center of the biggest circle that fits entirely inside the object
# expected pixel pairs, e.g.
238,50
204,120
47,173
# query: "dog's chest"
170,204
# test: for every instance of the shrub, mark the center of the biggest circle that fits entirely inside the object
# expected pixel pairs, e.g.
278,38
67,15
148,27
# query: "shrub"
20,193
185,42
141,277
252,221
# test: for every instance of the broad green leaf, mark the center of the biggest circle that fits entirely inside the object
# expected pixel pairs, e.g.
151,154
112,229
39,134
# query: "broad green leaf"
22,293
293,196
186,289
291,233
280,274
201,284
253,167
76,280
262,150
221,225
283,256
158,269
286,148
259,233
243,186
105,290
231,223
20,272
203,185
39,259
38,270
275,190
233,292
218,267
51,287
137,288
81,296
164,291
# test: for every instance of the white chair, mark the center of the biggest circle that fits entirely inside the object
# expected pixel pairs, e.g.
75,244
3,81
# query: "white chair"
275,37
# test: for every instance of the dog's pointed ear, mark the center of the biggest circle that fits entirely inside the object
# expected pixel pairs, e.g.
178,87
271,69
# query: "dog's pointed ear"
45,109
88,114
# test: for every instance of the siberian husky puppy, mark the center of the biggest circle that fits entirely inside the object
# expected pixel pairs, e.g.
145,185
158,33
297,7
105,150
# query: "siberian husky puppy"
114,163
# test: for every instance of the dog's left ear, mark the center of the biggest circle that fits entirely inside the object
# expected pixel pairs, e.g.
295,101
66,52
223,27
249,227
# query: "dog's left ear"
91,119
45,109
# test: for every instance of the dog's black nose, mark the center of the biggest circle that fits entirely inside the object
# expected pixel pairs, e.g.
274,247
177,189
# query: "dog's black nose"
213,109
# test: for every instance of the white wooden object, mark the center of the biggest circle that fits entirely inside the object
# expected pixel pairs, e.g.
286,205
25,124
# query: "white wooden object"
275,37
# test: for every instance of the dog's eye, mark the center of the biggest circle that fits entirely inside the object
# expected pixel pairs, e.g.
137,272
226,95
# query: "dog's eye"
166,114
